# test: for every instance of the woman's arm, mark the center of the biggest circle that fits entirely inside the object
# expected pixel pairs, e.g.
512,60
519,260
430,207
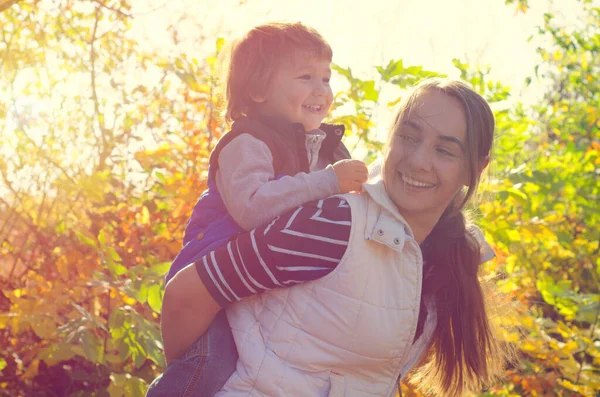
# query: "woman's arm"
304,244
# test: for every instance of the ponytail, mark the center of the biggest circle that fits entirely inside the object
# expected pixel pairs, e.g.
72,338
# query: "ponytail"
465,354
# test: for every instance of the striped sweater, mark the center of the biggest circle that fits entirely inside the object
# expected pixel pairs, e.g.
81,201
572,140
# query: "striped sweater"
302,245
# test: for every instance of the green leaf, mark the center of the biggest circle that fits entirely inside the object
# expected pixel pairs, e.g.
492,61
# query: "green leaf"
115,268
518,194
370,93
92,347
102,238
155,297
116,387
57,352
116,323
113,254
588,312
135,387
141,292
86,240
346,72
159,269
393,69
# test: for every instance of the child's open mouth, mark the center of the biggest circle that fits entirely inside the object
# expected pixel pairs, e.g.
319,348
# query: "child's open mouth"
313,108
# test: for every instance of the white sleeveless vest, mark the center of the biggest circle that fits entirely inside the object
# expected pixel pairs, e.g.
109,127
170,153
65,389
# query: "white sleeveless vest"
349,333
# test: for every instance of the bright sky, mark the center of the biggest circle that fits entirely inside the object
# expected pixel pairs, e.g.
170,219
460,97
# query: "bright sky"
368,33
364,34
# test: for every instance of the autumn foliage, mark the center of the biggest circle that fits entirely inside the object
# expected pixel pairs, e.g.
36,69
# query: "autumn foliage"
103,153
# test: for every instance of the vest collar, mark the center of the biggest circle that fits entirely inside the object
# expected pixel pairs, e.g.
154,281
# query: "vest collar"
334,131
384,224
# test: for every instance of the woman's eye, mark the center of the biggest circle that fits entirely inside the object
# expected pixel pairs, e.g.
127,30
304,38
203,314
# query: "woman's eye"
446,152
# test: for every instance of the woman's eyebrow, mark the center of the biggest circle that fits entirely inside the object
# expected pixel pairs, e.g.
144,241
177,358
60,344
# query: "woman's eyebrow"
447,138
452,139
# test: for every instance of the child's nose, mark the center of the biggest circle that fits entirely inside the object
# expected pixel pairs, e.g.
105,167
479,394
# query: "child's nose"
320,88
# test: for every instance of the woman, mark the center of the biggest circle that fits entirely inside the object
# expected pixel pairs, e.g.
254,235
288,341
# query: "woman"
378,281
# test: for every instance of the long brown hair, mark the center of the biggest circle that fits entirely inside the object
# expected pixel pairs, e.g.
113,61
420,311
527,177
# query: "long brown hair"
466,353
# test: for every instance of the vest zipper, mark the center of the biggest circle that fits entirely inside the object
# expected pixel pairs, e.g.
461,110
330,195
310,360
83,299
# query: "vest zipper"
414,327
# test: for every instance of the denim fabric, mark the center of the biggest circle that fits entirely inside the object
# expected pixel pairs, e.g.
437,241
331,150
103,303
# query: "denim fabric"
204,368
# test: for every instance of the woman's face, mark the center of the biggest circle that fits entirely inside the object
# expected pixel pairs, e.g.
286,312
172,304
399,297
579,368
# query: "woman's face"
426,164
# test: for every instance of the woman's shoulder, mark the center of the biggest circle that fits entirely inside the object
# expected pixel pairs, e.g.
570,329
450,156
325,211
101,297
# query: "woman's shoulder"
486,252
333,207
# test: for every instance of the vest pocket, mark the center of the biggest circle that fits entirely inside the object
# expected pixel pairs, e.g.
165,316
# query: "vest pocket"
338,385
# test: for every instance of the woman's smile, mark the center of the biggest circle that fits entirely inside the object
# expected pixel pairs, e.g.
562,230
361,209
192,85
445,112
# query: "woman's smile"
414,184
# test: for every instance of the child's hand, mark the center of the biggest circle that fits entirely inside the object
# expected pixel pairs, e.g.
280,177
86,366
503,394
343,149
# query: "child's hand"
351,174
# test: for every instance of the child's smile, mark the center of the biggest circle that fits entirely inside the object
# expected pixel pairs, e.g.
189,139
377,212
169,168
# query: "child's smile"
299,92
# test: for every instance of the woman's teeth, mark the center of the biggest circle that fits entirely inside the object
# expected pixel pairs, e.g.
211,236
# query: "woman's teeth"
314,108
414,183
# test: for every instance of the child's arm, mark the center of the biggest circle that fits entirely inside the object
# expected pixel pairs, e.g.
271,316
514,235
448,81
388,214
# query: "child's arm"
252,195
252,263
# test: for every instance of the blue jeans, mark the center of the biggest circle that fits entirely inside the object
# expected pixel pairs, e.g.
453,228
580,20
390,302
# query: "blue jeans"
204,368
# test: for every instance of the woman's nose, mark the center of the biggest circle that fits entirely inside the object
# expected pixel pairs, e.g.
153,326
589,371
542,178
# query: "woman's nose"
421,157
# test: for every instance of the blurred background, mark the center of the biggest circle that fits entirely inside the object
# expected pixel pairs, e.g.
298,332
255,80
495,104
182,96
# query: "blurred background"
109,110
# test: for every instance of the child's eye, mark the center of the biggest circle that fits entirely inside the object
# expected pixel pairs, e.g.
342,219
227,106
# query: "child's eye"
326,80
305,77
408,138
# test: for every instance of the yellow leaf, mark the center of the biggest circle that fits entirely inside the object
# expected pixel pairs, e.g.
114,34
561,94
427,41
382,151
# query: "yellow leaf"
558,55
62,265
32,370
513,337
144,216
4,318
44,327
570,346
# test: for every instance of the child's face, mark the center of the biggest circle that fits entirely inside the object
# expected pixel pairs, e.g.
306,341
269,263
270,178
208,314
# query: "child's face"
299,92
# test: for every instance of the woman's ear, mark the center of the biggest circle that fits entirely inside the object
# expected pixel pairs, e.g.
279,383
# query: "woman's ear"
484,163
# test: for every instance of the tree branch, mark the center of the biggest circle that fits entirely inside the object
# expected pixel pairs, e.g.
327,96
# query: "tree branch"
593,330
104,5
103,154
6,4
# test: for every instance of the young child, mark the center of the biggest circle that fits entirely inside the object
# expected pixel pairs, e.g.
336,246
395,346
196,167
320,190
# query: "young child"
278,155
